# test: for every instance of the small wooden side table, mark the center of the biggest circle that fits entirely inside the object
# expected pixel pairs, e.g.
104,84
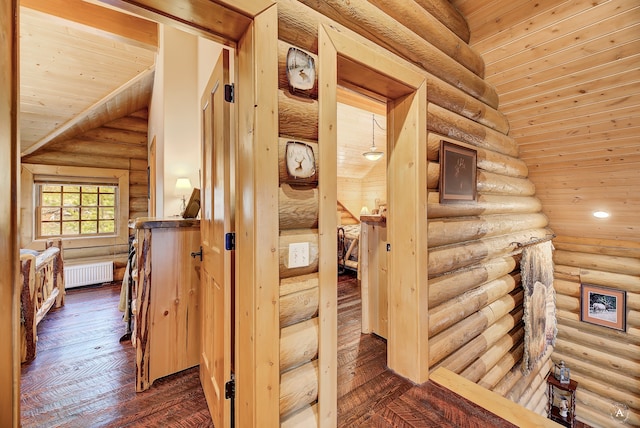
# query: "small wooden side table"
556,391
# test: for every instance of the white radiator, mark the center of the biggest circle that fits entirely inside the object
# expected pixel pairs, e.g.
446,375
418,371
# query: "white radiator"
87,274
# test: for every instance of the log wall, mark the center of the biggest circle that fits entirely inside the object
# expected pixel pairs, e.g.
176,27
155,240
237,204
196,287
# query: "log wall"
120,144
475,308
604,362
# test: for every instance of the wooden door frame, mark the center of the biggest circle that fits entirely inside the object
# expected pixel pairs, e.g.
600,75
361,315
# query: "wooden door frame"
347,57
9,211
257,276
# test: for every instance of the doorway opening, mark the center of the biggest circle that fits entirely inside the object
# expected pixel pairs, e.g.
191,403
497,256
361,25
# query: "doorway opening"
362,195
346,61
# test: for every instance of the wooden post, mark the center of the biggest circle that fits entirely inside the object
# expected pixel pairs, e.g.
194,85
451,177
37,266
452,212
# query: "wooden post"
257,276
407,234
327,365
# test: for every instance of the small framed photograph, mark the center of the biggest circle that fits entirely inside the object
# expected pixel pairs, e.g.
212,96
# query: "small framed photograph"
458,173
603,306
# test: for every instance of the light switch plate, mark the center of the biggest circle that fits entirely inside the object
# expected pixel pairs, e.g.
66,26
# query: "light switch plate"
298,254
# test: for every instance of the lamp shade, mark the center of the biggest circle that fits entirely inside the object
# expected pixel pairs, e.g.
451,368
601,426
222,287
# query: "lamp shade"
373,154
183,185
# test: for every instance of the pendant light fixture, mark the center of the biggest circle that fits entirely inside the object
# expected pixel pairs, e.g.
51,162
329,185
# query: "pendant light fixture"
373,154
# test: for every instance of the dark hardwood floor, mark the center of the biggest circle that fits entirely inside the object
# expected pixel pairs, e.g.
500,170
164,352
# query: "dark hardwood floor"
84,377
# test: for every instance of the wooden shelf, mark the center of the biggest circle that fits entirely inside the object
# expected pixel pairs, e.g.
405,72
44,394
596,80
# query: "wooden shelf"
567,390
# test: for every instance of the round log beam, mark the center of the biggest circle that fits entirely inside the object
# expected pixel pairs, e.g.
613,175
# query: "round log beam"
298,283
486,204
502,367
446,122
445,231
601,262
425,25
298,306
488,160
467,354
297,207
448,341
452,257
449,313
494,354
447,287
446,13
298,25
298,344
298,388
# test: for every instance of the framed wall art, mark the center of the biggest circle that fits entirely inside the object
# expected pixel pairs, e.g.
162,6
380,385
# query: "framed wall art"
603,306
300,163
458,174
301,71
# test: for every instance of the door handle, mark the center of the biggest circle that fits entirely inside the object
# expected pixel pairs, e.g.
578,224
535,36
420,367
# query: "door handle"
195,254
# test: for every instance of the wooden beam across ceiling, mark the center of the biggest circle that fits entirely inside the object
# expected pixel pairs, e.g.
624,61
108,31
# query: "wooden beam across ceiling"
120,25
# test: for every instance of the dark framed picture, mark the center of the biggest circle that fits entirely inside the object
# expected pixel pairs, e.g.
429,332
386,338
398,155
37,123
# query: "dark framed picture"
603,306
458,182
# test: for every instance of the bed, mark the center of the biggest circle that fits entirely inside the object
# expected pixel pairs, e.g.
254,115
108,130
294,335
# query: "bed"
348,247
41,288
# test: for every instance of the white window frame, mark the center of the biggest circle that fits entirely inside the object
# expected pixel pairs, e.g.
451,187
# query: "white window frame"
31,173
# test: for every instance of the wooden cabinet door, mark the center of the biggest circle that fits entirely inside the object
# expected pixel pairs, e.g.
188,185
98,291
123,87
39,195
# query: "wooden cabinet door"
216,276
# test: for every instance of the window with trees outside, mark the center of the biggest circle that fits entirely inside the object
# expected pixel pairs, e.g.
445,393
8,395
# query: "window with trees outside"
87,207
75,209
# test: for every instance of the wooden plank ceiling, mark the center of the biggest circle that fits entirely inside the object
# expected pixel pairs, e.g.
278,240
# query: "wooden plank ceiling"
568,76
81,65
357,132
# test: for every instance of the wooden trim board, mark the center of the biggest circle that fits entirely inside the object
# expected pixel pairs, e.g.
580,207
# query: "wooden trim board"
497,404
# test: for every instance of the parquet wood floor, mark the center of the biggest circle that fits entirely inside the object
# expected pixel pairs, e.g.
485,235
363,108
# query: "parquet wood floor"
84,377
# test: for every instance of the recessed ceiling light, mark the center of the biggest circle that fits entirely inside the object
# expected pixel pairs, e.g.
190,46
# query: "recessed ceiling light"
601,214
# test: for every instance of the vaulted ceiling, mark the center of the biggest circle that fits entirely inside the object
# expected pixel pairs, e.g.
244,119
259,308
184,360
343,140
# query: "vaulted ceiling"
568,76
566,71
81,65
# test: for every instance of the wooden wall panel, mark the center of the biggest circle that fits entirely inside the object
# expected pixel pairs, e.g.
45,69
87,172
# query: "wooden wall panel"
350,194
374,186
566,76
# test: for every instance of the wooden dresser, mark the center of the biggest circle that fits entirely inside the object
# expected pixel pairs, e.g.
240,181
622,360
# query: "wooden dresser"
165,306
